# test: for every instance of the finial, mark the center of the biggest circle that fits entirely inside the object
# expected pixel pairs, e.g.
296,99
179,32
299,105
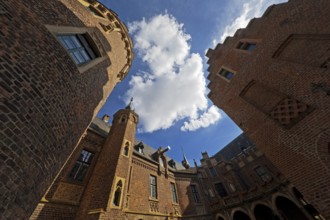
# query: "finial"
185,162
129,104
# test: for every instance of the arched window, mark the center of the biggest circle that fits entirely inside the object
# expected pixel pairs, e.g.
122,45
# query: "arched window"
126,149
117,195
123,119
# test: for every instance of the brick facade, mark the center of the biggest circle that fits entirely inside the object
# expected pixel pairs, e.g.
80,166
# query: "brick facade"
47,101
243,182
276,89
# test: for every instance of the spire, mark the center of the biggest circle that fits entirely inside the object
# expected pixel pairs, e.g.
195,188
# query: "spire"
195,163
185,162
129,104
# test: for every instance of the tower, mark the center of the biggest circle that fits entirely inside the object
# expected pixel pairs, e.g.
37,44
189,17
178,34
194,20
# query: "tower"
57,74
105,193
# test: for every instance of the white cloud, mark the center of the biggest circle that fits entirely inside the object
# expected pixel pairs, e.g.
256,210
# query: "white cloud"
249,10
174,87
208,118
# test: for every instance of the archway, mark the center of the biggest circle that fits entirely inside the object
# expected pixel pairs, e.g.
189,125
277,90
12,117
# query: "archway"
220,218
240,216
288,209
262,212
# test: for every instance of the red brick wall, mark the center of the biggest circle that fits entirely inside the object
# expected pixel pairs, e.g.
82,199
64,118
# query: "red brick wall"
46,102
289,57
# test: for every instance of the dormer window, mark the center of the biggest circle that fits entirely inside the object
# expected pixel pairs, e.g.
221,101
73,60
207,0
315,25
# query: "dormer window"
171,163
139,147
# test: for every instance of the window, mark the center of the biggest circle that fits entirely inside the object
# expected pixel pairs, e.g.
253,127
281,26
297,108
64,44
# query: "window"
210,191
246,46
221,189
117,195
78,47
126,149
174,196
226,74
153,187
195,193
172,164
80,168
262,173
232,187
212,171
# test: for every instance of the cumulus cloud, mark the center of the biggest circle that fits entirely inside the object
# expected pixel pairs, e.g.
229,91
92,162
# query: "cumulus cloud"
174,86
208,118
249,10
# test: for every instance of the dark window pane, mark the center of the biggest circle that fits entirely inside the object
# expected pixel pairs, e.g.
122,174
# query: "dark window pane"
221,189
250,47
173,190
227,74
195,193
81,166
212,171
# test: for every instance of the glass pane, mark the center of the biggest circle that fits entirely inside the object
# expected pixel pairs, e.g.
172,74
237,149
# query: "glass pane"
74,170
229,75
82,172
84,54
152,180
79,57
250,47
75,41
68,42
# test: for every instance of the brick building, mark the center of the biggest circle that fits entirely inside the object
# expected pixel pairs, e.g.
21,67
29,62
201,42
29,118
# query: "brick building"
272,78
110,175
59,61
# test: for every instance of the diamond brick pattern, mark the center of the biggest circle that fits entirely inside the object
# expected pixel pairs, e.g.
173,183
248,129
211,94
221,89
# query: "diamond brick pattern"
288,111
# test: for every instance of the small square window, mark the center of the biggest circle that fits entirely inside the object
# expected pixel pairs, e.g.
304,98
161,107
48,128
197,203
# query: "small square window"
246,46
226,74
78,47
262,173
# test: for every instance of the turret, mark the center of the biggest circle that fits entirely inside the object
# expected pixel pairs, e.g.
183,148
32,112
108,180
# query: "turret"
110,179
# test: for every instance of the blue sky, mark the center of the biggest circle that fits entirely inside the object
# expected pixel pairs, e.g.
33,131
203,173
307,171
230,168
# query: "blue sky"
168,75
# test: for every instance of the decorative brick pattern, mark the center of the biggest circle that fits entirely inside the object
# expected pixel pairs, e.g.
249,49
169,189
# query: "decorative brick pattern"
288,111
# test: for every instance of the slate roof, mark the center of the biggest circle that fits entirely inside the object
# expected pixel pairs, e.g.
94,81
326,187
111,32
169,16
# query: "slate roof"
149,151
234,148
100,127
